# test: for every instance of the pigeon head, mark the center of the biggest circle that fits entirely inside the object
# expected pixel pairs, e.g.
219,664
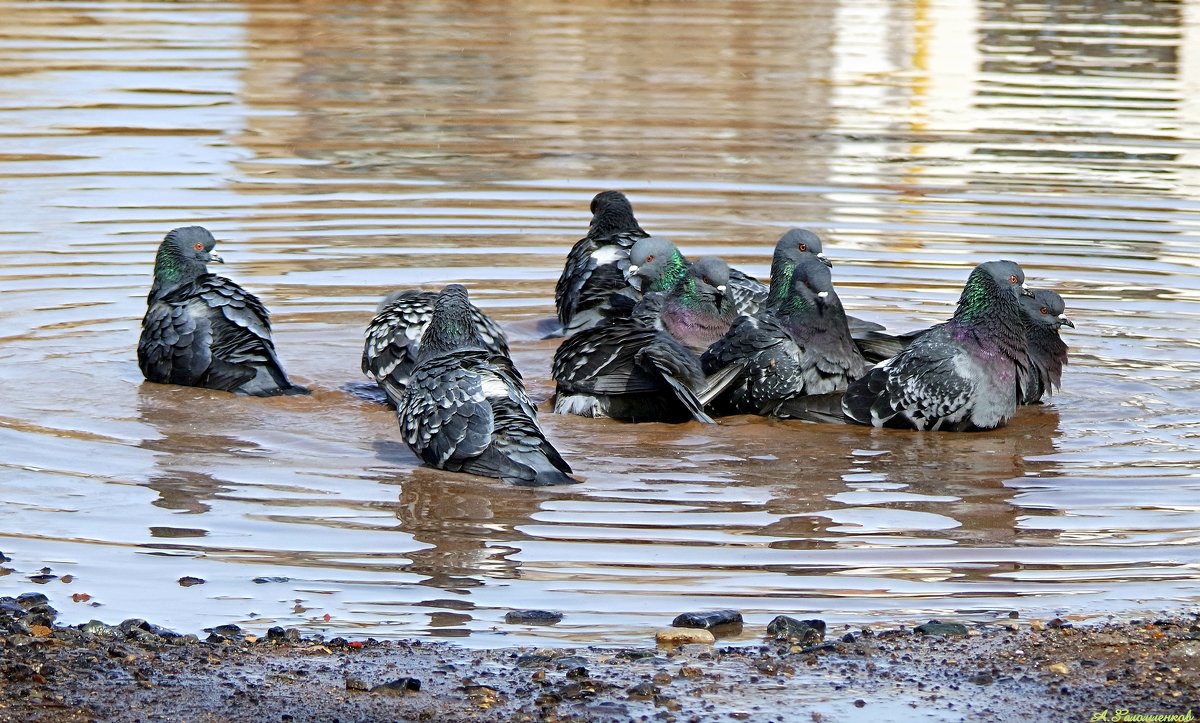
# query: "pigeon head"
990,283
655,264
183,256
612,214
450,327
1046,309
810,288
798,241
708,280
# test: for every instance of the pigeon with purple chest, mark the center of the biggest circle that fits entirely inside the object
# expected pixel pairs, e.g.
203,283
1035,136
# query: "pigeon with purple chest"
203,330
960,375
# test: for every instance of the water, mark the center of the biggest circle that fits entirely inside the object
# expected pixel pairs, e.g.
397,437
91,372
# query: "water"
340,151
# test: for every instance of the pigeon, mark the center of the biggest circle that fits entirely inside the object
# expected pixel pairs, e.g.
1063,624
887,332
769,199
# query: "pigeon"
656,264
629,367
465,408
596,263
203,330
1042,315
960,375
796,346
393,338
698,309
805,241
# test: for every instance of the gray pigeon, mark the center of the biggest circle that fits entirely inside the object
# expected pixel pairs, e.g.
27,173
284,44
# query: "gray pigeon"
656,264
1043,316
465,407
629,368
960,375
596,264
798,345
203,330
807,242
393,338
698,308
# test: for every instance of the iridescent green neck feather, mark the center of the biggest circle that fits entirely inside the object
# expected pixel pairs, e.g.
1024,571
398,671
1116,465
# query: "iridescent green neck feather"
673,273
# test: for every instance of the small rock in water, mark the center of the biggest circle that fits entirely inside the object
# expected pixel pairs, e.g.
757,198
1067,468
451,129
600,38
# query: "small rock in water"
532,617
708,620
4,558
188,581
936,627
802,632
399,686
355,684
229,630
683,636
43,578
265,580
275,634
29,599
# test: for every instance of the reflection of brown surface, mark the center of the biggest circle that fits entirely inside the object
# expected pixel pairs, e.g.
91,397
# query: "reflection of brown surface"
466,519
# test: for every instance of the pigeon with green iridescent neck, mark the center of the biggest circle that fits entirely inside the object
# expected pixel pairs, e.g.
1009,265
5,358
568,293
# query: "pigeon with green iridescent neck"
657,265
628,367
798,345
596,264
1043,317
465,408
393,338
203,330
961,375
697,307
806,242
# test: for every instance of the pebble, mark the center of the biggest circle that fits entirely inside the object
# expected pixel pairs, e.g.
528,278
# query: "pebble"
801,632
355,684
532,617
683,636
188,581
1185,651
399,686
708,620
1058,668
936,627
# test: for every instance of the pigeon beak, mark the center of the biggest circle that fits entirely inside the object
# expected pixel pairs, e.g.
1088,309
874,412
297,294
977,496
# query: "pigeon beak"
1064,321
721,288
632,278
212,256
1025,291
825,260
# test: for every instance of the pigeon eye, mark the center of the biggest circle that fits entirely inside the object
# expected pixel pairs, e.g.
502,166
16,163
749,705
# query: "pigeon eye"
199,247
705,279
1044,310
649,259
1012,279
804,247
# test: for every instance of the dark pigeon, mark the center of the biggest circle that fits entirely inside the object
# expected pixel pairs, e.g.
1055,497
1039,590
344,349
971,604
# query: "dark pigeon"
629,368
203,330
596,264
960,375
797,346
1043,316
697,307
807,242
465,407
393,338
657,264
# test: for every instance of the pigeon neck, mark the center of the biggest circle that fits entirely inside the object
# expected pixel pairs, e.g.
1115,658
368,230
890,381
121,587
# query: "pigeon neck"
611,222
450,329
672,276
984,305
781,281
171,270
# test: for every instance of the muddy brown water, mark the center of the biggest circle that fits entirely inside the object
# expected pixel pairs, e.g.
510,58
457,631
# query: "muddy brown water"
342,150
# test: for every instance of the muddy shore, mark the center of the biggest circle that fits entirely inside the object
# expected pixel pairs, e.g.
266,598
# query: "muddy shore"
1009,670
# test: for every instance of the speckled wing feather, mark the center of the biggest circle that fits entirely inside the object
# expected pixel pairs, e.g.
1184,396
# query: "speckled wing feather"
174,347
241,338
927,386
595,268
393,338
748,293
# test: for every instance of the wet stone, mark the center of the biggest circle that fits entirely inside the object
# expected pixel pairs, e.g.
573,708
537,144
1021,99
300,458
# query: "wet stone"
29,599
643,691
265,580
981,679
533,617
683,636
936,627
708,620
188,581
534,660
229,630
801,632
569,661
275,634
399,686
100,630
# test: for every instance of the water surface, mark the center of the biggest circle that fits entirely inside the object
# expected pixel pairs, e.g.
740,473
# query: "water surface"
342,151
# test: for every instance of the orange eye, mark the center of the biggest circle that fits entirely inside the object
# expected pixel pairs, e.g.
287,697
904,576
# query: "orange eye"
199,247
649,259
804,247
1012,279
705,279
1044,310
